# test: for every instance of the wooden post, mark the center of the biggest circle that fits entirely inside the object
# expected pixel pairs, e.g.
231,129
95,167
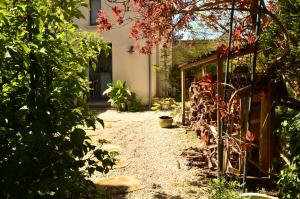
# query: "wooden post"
219,96
183,95
265,133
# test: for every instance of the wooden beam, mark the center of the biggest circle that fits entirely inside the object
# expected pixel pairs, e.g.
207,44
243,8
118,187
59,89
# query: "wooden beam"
203,61
212,58
183,96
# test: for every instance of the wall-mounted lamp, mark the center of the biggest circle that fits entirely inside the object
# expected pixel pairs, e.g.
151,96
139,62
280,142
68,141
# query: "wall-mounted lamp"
131,49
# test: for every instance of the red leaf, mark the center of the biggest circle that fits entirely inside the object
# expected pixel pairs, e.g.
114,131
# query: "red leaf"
252,40
204,84
222,49
116,11
223,113
251,136
237,32
103,23
204,138
208,78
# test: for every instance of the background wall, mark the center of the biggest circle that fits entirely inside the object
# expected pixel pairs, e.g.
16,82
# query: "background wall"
130,67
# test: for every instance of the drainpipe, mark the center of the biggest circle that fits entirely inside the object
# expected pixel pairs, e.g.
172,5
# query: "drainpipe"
157,80
149,78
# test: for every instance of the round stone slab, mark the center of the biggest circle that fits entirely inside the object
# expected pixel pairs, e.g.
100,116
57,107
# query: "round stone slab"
111,148
118,185
121,163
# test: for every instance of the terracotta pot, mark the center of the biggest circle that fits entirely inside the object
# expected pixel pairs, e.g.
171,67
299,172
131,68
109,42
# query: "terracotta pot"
165,121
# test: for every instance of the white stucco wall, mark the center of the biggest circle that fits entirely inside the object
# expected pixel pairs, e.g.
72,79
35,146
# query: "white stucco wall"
130,67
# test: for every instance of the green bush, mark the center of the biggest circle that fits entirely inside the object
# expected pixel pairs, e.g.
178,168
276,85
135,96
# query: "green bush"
122,98
289,180
289,177
44,150
222,189
163,104
134,104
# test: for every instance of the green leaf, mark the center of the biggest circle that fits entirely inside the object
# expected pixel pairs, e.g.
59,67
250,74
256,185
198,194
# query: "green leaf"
90,122
77,137
25,48
100,121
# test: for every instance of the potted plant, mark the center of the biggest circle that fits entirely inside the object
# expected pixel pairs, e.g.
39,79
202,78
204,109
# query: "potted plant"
122,98
164,104
119,95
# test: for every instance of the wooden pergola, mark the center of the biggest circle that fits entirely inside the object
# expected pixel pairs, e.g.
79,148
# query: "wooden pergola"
213,57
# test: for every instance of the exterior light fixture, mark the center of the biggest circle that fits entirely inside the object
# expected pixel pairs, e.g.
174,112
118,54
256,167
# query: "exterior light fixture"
131,49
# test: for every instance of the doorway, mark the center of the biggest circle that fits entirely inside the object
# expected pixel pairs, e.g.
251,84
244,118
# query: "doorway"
100,74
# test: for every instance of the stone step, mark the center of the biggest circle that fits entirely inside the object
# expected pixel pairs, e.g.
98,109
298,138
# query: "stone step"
111,148
118,185
120,163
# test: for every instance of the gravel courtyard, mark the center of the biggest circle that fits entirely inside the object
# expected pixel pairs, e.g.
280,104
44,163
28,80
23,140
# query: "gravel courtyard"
150,154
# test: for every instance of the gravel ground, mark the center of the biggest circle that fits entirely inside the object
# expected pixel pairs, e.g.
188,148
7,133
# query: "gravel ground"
153,155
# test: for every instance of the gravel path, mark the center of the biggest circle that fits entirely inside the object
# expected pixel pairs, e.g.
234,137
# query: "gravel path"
153,155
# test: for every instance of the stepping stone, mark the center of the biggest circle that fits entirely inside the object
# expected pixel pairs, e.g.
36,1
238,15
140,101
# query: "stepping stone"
122,163
108,125
118,185
92,133
111,148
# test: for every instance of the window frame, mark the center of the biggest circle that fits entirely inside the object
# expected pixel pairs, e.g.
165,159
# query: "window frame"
95,23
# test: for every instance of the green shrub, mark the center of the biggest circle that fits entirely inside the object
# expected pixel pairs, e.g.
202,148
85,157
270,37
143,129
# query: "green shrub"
289,177
134,104
44,149
222,189
163,104
289,180
122,98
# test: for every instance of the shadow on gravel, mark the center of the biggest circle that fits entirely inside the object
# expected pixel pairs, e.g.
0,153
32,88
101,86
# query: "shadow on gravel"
162,195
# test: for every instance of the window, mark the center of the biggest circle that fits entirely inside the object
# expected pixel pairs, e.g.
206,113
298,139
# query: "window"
95,5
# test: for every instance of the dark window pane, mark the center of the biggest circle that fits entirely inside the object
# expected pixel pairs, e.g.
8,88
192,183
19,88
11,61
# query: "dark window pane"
95,5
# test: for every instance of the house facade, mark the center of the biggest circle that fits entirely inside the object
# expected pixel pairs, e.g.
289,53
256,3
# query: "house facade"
124,63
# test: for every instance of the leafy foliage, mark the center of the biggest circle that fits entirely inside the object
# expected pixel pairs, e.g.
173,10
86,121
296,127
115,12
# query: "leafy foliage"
289,180
289,177
222,189
176,18
44,153
282,51
289,134
163,104
122,98
185,51
134,104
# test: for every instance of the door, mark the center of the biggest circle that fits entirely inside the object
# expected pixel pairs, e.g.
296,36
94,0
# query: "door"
100,75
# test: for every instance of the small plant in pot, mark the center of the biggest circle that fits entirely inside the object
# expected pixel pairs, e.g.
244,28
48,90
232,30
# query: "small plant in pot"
164,104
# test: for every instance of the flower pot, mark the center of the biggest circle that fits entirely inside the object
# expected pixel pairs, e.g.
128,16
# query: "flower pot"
165,121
